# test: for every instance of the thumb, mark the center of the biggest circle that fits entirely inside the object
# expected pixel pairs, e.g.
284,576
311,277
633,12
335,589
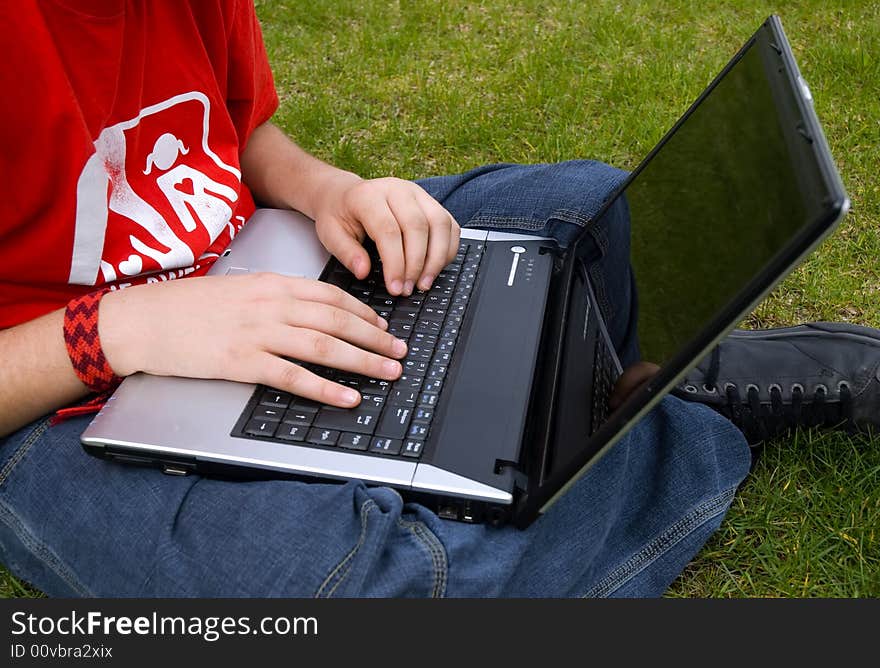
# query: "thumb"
344,244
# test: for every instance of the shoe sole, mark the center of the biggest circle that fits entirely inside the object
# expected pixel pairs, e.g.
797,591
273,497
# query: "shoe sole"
835,330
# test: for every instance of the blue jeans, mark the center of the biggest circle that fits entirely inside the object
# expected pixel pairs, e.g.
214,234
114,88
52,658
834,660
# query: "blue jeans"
74,525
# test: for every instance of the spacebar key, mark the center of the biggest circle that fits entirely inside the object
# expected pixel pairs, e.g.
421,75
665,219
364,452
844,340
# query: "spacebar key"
357,420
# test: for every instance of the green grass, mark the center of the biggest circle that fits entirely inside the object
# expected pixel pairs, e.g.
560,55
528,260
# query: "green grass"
418,88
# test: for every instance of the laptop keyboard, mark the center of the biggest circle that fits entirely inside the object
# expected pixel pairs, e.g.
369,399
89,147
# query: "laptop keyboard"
604,377
394,417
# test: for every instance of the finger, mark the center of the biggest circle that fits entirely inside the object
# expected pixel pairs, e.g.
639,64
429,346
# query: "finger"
290,377
454,240
383,228
631,380
414,225
346,326
324,293
441,225
346,246
308,345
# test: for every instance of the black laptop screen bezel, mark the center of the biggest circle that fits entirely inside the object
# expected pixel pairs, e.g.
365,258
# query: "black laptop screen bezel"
801,123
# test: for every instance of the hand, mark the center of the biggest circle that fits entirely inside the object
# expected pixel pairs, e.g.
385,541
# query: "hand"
631,380
415,236
241,328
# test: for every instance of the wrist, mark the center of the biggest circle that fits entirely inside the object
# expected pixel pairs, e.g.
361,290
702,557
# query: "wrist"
118,332
325,190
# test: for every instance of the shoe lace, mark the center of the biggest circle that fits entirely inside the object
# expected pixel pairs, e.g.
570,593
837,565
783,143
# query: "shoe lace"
760,421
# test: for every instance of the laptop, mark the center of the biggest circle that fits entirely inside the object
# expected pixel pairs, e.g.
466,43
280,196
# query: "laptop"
514,351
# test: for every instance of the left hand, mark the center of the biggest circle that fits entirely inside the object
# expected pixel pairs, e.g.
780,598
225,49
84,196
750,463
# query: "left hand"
415,236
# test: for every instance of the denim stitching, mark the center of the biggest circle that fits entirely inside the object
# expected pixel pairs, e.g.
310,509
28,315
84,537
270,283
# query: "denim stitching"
660,545
38,431
42,553
437,552
366,507
493,221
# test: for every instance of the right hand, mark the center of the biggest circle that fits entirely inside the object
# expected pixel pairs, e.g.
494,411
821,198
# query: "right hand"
242,327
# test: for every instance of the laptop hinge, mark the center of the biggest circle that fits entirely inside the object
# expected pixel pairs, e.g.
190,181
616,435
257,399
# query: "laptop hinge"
520,479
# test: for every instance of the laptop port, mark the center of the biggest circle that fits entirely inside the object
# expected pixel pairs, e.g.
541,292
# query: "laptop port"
467,513
447,512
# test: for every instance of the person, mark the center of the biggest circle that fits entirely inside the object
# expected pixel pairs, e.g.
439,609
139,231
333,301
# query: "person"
126,176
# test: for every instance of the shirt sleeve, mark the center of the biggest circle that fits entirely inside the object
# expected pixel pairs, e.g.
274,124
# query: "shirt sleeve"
251,97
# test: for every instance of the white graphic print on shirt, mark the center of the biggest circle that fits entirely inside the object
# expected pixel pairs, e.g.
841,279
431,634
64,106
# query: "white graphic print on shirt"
178,193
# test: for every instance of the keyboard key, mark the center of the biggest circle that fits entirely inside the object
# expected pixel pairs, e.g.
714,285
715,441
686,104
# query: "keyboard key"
424,339
427,327
436,314
402,398
419,354
354,441
428,399
437,301
433,385
322,436
374,400
423,414
307,405
394,422
386,446
275,399
414,368
408,382
375,386
340,277
268,413
295,416
418,431
261,427
402,330
413,449
359,420
291,432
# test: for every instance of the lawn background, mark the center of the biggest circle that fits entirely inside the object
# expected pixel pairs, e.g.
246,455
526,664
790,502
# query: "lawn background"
413,89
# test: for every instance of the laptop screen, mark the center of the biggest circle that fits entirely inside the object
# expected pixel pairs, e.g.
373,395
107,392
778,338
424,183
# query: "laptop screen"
721,198
716,215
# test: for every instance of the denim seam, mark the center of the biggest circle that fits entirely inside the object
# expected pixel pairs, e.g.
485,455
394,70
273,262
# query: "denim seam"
42,553
344,567
37,431
436,551
571,216
497,221
660,545
563,215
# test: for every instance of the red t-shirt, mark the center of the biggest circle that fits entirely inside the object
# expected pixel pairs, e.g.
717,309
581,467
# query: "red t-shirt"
121,124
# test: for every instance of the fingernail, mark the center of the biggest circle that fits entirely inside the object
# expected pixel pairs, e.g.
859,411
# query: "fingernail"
408,288
351,396
383,323
399,347
391,368
396,287
358,266
426,282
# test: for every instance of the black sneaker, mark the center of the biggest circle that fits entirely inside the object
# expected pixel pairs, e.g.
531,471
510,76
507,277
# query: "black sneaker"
769,381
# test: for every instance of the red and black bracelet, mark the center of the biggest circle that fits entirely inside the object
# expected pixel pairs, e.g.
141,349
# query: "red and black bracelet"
84,344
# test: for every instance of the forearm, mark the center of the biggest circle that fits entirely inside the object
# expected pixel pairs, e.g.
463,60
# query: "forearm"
36,376
281,174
